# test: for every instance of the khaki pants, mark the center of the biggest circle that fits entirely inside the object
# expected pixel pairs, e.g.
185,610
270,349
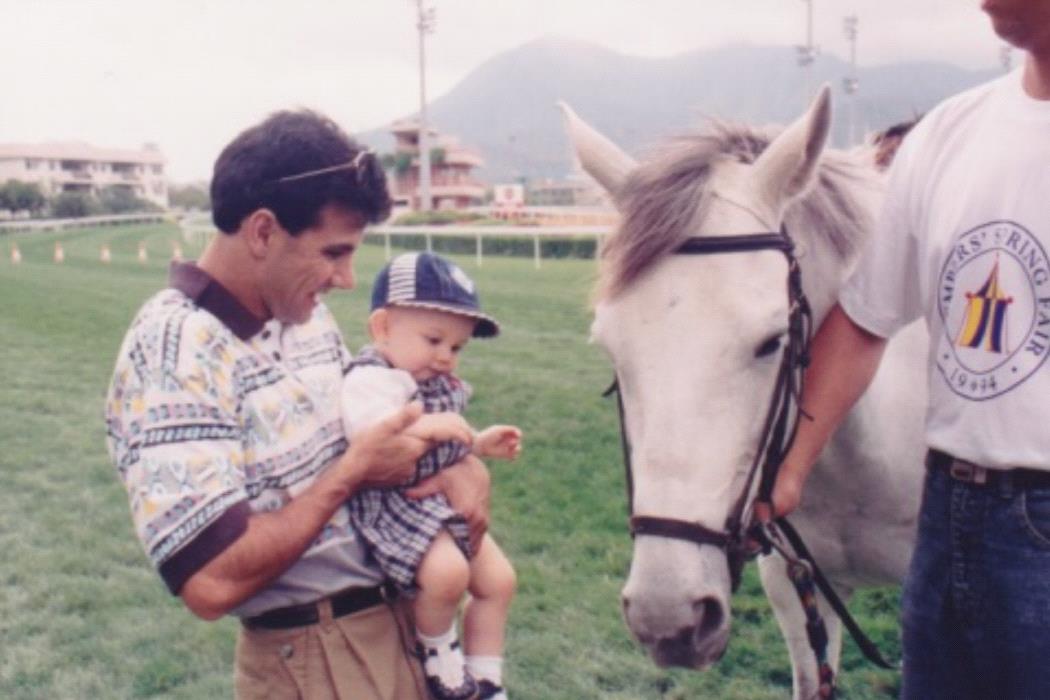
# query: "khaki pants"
361,656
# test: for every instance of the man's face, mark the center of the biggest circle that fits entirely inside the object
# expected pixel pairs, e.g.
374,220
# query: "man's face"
299,269
1022,23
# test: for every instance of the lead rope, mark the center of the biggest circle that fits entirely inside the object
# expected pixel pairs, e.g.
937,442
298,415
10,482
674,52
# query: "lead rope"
800,573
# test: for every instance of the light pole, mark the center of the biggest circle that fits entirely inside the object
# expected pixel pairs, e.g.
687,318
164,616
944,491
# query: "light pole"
807,53
425,23
851,83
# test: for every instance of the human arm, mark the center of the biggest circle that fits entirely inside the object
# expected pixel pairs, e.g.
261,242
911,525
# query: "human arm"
273,541
466,485
445,422
498,442
844,358
382,455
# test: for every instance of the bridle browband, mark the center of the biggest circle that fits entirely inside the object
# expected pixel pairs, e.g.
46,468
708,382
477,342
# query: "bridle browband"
780,424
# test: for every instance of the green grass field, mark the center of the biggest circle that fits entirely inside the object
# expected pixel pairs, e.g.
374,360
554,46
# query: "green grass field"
83,615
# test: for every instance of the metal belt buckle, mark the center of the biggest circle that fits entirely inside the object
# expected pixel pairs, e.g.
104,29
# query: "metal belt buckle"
970,473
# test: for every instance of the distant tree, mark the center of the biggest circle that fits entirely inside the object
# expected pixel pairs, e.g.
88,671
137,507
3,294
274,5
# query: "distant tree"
189,197
73,205
122,200
118,200
22,196
402,163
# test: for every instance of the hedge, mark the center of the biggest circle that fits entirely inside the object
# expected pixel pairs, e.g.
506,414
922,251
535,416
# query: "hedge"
507,245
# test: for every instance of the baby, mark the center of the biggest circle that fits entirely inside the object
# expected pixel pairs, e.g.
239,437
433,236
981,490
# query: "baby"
424,311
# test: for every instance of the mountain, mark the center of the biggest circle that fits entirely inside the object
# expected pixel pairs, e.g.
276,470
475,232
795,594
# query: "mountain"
506,107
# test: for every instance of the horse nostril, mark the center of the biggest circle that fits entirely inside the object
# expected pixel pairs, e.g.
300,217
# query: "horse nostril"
709,616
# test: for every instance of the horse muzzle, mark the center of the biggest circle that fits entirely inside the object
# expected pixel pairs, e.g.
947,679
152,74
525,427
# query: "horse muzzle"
680,610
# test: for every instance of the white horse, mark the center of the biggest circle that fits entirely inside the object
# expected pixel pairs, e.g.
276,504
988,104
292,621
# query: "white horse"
694,341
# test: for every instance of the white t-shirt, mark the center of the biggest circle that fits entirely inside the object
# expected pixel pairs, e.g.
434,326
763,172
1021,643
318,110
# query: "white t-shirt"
371,393
963,241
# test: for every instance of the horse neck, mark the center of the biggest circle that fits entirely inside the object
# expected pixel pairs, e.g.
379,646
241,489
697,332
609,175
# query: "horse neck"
824,267
823,273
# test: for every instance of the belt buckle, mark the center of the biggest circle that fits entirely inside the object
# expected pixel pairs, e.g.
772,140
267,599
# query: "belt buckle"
968,472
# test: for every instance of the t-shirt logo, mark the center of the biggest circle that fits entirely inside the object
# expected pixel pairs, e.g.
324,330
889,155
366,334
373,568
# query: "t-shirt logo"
994,301
984,323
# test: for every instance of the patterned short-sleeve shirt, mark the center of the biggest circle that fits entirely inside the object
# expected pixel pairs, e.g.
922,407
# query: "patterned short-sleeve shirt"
213,415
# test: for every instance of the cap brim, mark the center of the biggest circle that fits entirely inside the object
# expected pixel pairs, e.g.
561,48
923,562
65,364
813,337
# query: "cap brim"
486,326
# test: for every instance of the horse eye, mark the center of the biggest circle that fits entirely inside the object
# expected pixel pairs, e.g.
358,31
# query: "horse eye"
769,347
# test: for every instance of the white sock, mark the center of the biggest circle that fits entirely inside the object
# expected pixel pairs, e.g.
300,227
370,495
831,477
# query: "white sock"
488,667
447,663
441,640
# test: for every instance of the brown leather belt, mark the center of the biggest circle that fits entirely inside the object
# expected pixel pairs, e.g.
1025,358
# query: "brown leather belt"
345,603
970,473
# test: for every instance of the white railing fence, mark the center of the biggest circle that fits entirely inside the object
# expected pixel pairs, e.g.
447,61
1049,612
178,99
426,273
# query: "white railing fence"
15,225
196,229
536,233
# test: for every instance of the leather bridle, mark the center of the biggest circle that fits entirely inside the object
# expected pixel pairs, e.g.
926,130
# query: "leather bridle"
741,538
781,421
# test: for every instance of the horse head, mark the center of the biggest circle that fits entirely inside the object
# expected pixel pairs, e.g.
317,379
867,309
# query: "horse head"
696,340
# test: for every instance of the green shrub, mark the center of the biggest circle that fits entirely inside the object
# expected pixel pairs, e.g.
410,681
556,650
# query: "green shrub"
508,245
437,218
74,205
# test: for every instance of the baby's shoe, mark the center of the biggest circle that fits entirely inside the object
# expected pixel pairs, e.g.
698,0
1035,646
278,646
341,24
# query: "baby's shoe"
446,673
487,690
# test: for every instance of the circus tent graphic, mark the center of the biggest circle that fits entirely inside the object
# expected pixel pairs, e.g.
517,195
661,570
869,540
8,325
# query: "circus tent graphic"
984,324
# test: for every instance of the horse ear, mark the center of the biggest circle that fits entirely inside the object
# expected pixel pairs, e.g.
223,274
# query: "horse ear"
785,169
599,156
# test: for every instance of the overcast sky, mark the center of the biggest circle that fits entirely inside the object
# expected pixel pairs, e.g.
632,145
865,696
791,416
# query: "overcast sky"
190,74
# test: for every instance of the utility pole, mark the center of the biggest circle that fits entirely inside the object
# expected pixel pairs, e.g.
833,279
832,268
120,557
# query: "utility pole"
851,83
807,53
426,20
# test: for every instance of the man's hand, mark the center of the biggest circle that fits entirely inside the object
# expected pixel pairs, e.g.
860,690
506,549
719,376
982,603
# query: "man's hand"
786,496
466,485
442,427
385,454
498,442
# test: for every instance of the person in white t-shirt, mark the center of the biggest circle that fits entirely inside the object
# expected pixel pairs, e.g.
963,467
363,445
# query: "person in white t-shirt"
964,242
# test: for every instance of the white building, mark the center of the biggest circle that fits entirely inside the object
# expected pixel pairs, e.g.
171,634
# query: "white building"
79,167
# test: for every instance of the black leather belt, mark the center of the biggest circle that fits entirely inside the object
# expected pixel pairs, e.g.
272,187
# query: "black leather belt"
970,473
345,603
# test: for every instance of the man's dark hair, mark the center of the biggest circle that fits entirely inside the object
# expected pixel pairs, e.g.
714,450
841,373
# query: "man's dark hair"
274,165
899,130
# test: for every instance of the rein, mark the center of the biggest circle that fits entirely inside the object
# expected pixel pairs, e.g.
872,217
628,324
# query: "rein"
740,538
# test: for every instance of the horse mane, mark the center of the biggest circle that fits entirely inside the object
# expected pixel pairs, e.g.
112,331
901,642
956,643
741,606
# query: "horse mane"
666,193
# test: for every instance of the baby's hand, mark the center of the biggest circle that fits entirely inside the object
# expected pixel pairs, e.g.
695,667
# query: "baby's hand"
442,427
498,442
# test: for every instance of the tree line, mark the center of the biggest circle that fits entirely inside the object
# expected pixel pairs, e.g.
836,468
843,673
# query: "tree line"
28,197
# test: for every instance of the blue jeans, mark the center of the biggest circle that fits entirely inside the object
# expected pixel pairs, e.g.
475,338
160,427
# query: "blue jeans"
976,604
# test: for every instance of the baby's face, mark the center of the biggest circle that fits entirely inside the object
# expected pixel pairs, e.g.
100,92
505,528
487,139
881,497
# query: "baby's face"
424,342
